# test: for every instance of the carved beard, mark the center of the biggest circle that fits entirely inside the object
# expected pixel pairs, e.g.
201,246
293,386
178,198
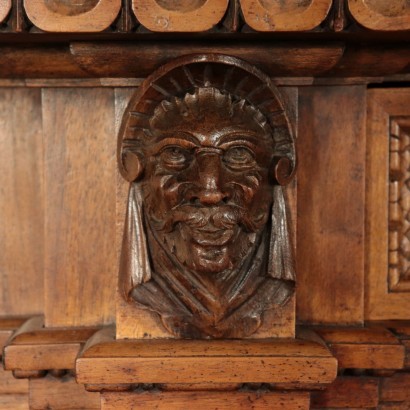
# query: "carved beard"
211,240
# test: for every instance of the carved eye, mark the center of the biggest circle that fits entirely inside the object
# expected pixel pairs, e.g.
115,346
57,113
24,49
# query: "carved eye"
239,157
175,157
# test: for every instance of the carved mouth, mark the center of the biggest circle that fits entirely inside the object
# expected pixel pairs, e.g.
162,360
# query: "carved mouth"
211,236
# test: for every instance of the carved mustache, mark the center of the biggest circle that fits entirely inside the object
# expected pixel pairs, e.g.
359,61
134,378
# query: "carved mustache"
220,217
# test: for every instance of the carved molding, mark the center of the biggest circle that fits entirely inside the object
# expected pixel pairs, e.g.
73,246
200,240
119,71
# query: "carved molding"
265,15
63,16
206,144
185,16
380,14
399,205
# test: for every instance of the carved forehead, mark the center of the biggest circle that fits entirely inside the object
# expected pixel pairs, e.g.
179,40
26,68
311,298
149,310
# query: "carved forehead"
208,109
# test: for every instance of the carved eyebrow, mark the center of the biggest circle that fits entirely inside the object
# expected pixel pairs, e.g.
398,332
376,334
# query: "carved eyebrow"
239,137
184,141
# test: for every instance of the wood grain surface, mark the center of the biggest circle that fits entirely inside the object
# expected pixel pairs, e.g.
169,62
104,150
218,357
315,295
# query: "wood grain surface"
21,202
105,361
331,194
348,392
380,304
180,16
381,15
80,174
61,393
85,16
288,15
205,401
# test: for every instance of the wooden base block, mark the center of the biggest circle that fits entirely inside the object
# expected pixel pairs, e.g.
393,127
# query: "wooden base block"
106,361
205,401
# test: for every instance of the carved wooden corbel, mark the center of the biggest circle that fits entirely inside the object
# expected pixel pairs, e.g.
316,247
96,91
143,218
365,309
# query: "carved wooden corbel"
207,145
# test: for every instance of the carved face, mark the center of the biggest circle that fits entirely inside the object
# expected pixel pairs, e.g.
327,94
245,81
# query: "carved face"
207,195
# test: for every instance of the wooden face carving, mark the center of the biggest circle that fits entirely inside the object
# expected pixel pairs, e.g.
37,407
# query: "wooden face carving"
206,243
207,194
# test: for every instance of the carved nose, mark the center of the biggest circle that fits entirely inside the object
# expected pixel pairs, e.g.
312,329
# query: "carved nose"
211,192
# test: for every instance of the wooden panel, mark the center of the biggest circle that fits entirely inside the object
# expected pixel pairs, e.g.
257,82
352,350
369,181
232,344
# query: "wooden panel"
380,304
330,237
381,14
205,401
14,401
21,202
348,392
62,394
10,385
395,388
288,15
5,6
63,16
80,173
182,16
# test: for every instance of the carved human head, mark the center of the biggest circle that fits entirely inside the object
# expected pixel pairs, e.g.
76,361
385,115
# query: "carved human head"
205,141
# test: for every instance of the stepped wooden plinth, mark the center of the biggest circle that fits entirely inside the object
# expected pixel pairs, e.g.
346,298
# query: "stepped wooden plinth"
208,373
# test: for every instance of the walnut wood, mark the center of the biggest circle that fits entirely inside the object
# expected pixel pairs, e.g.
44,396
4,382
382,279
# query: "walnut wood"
294,59
61,393
80,200
209,251
348,392
381,15
288,15
9,385
34,347
171,361
7,326
21,202
180,16
205,401
86,16
381,304
86,59
331,204
359,348
14,401
395,388
5,7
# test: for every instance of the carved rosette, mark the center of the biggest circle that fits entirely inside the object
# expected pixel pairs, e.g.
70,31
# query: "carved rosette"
207,146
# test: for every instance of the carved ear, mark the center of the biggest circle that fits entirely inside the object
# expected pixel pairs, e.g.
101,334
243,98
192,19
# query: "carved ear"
133,165
283,170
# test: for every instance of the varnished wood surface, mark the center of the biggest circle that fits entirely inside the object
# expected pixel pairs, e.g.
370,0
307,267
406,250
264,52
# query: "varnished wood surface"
288,15
381,15
331,194
5,7
87,16
104,361
80,201
188,16
370,348
61,393
348,392
21,202
205,401
33,347
380,304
